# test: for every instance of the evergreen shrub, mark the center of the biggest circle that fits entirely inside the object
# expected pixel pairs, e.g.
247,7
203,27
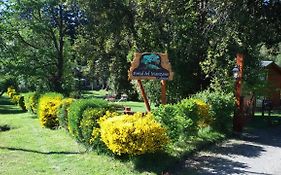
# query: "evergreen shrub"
62,112
31,101
75,115
21,103
47,109
183,119
173,119
89,123
221,106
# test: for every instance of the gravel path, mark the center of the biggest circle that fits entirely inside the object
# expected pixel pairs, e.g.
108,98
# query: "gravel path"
255,153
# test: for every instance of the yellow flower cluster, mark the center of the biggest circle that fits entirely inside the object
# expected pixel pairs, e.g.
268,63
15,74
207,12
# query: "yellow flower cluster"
15,97
11,91
132,134
47,111
205,119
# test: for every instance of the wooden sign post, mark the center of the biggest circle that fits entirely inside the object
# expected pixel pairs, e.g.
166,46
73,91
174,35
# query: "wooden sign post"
153,66
163,92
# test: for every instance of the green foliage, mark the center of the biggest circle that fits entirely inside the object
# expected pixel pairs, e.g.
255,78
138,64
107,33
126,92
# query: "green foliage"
41,50
5,83
202,110
62,112
75,115
174,119
47,109
21,103
89,123
185,118
133,135
221,106
31,101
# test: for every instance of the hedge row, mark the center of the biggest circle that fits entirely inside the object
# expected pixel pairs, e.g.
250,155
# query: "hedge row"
94,123
16,98
205,109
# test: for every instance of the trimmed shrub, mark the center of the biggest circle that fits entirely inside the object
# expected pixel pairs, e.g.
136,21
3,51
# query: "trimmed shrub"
11,91
173,120
16,98
21,103
204,117
188,107
31,101
89,123
184,119
47,109
133,134
221,106
62,112
76,111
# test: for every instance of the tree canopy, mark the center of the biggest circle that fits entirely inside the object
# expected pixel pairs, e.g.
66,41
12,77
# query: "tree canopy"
45,40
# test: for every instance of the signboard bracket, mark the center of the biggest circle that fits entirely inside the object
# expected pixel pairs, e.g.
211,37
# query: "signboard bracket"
146,102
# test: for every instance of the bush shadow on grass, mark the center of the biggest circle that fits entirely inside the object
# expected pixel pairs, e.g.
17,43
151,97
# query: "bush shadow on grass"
4,102
157,162
7,107
4,128
39,152
10,110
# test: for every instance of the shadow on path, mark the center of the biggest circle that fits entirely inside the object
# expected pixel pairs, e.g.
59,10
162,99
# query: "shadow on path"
224,159
240,149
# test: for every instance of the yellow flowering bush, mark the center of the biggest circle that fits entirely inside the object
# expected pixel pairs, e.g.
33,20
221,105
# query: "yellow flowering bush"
47,109
132,134
15,98
204,118
11,91
96,130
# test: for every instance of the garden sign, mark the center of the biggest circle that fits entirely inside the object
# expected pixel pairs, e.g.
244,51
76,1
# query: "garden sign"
151,66
154,66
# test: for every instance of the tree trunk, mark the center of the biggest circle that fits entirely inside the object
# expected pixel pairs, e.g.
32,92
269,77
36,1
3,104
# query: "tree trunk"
60,57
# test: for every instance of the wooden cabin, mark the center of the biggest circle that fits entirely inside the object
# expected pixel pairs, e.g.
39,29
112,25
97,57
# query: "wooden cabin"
273,78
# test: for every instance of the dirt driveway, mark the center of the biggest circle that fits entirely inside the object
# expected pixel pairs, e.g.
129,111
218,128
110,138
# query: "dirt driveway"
255,153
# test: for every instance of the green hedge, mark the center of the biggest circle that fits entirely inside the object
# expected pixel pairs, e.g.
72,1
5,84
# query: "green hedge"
221,106
78,116
62,112
89,123
176,119
31,101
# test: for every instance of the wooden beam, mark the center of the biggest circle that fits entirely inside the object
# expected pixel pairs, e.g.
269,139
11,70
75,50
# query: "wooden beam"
144,96
163,92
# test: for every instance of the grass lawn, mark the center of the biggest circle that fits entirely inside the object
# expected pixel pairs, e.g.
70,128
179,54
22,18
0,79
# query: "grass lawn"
135,106
29,149
273,113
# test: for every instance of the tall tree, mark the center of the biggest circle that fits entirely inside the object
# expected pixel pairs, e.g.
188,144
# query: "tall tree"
39,35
